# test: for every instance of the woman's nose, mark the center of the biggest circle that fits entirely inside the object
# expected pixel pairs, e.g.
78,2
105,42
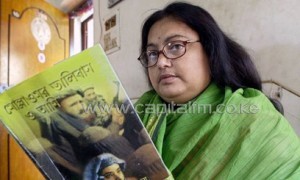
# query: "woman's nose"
163,61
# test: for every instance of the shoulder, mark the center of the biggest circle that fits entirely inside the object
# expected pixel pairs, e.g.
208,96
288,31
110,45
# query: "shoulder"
252,109
251,97
249,93
265,130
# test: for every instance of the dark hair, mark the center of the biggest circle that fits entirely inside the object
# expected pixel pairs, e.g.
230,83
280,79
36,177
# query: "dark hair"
229,63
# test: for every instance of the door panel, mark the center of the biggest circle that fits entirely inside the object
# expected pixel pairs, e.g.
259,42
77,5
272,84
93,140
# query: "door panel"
24,48
20,165
3,153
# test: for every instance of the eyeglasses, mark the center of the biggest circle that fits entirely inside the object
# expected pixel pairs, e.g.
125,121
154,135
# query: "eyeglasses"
171,50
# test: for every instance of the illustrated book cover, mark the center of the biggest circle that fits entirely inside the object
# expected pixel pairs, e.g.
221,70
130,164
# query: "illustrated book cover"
75,121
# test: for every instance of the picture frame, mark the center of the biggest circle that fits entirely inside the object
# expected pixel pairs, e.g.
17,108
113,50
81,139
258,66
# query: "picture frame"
111,29
111,3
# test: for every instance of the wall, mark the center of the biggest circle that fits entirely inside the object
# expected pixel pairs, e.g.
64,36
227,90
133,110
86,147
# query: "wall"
266,28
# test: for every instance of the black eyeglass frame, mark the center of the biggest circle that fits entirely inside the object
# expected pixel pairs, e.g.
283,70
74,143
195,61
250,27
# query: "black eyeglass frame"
162,51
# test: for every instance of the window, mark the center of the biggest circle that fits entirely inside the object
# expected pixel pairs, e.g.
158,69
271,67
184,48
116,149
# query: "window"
81,28
87,30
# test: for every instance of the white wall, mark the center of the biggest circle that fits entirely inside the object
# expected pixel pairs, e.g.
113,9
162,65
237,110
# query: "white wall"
269,29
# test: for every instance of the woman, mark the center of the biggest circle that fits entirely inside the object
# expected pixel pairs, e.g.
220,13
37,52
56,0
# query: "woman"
206,113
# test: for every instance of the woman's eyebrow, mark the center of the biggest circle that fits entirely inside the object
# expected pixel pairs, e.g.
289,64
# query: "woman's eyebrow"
169,38
166,40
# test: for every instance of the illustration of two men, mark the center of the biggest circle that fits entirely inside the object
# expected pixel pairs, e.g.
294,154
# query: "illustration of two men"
80,130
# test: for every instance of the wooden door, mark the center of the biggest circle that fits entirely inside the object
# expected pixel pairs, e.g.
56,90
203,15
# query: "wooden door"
34,36
3,153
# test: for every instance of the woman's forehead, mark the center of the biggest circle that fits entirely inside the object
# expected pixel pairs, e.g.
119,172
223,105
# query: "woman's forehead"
169,29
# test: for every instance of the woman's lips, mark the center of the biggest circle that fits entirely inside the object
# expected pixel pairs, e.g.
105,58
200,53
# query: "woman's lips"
166,78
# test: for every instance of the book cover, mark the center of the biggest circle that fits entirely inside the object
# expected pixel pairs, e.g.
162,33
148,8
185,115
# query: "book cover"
75,121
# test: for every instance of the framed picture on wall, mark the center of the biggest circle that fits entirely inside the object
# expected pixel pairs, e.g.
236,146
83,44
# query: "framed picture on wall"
112,3
111,36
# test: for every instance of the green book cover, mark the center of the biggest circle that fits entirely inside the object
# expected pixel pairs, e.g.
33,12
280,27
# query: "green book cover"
75,121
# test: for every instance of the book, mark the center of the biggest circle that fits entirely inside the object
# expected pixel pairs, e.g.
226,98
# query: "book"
75,121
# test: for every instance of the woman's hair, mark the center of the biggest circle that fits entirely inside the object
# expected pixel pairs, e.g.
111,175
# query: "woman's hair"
229,63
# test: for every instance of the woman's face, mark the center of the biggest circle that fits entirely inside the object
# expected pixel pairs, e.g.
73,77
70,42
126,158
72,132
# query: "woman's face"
182,79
